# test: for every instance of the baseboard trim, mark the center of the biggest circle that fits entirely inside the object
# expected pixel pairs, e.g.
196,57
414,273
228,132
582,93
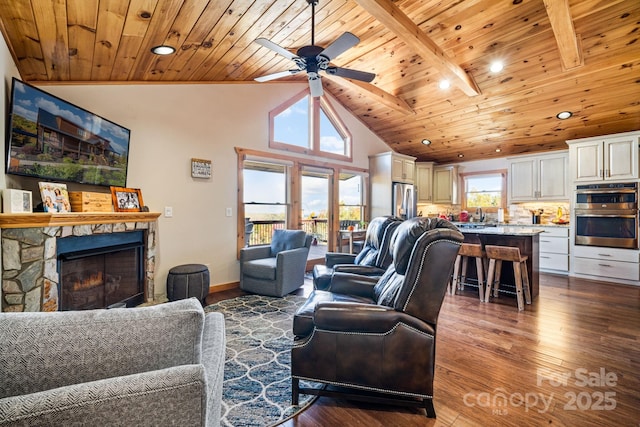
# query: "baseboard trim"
223,287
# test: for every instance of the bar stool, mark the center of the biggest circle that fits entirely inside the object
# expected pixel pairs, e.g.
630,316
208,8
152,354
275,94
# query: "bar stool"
468,250
496,255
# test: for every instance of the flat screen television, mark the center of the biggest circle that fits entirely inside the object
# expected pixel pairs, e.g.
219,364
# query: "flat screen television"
52,139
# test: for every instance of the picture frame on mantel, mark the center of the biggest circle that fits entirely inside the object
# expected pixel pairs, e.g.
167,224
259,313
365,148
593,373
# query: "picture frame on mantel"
127,199
200,168
17,201
55,197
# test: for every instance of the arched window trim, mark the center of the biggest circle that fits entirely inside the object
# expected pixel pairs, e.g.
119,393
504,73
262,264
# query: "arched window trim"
315,106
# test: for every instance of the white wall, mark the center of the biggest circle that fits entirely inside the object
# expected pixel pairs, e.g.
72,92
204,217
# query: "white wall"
169,125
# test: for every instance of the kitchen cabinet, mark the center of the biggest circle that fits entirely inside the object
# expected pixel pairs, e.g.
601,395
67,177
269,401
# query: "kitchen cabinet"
445,184
554,250
385,169
424,182
402,168
608,264
539,177
605,158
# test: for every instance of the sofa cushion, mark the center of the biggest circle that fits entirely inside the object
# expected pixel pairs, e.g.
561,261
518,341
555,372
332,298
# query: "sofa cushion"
263,268
147,338
168,396
287,239
303,319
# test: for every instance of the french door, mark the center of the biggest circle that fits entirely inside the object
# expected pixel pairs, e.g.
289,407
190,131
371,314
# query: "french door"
316,207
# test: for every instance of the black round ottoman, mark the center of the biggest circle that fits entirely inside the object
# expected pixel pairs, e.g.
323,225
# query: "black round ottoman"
188,280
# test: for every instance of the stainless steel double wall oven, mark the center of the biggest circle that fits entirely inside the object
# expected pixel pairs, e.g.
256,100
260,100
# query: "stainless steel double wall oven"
607,215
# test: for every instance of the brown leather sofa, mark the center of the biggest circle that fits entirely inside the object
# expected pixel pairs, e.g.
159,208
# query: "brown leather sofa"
372,260
375,340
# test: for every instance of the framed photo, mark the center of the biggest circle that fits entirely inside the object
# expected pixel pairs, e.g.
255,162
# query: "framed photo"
55,197
127,199
200,168
16,201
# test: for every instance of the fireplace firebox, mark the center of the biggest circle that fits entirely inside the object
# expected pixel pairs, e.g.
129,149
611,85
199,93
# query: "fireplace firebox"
101,271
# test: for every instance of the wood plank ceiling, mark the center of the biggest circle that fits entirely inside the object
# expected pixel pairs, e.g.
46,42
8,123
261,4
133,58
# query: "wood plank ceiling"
577,55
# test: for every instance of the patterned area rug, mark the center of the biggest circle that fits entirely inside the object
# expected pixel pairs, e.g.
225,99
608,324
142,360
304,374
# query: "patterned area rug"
257,375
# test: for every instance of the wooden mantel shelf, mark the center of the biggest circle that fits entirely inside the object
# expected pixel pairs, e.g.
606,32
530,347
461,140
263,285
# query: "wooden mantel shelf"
43,219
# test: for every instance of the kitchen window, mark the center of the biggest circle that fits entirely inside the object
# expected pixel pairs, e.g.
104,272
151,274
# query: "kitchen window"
486,190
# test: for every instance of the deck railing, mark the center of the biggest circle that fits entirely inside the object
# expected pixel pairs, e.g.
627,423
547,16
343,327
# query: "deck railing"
263,230
318,227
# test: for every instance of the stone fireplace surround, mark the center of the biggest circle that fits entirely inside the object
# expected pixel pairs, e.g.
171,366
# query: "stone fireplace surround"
29,262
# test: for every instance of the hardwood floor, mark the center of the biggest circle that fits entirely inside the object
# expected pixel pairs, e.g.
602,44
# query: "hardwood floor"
572,358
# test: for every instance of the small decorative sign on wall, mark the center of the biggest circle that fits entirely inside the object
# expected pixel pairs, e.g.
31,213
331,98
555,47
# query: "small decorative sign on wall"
200,168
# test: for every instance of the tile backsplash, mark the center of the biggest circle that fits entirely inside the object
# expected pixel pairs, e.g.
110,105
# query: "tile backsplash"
518,213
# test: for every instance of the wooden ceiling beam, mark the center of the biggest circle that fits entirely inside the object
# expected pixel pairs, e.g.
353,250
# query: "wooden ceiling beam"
373,92
565,33
389,15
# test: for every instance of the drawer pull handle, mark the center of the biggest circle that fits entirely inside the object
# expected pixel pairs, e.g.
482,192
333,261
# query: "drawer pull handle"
604,265
604,255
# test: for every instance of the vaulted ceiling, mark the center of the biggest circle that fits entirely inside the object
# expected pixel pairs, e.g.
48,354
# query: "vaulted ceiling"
577,55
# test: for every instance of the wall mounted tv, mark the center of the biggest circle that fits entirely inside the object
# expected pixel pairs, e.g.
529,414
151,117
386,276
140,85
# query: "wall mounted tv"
52,139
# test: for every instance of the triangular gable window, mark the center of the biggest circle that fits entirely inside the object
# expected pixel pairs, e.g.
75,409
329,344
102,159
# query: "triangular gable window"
309,125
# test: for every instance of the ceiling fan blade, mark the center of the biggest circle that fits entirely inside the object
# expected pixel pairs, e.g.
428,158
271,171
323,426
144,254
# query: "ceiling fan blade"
341,44
315,84
274,47
277,75
351,74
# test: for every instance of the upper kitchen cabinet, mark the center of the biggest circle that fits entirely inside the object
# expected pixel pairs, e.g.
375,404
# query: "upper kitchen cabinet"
402,167
445,184
539,177
424,182
385,169
605,158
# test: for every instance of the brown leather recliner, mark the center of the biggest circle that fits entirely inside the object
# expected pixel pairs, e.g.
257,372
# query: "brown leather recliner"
373,259
375,340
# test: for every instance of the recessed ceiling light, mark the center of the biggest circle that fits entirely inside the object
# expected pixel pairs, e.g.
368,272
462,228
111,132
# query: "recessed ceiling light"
461,155
563,115
426,141
498,150
163,50
444,84
496,66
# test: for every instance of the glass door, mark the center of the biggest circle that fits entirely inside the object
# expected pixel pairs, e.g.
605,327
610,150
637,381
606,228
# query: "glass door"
317,209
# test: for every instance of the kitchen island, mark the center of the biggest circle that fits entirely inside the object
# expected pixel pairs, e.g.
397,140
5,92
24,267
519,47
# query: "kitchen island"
525,238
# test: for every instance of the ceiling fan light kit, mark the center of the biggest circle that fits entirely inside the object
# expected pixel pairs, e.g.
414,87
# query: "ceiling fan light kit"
313,59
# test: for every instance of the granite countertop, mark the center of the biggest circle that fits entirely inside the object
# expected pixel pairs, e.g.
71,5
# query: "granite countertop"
499,229
504,224
504,230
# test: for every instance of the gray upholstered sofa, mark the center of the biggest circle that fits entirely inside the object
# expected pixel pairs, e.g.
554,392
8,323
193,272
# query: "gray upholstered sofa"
158,365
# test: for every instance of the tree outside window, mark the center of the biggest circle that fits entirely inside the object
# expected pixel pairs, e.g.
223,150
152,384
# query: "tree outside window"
485,190
351,198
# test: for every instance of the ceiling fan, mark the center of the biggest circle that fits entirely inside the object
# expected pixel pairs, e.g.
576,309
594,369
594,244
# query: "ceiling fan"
314,59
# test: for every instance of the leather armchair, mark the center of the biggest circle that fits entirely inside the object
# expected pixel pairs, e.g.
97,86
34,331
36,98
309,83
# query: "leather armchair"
278,268
372,260
375,340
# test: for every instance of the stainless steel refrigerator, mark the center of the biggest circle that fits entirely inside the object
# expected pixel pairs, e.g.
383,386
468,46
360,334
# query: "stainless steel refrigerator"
403,200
